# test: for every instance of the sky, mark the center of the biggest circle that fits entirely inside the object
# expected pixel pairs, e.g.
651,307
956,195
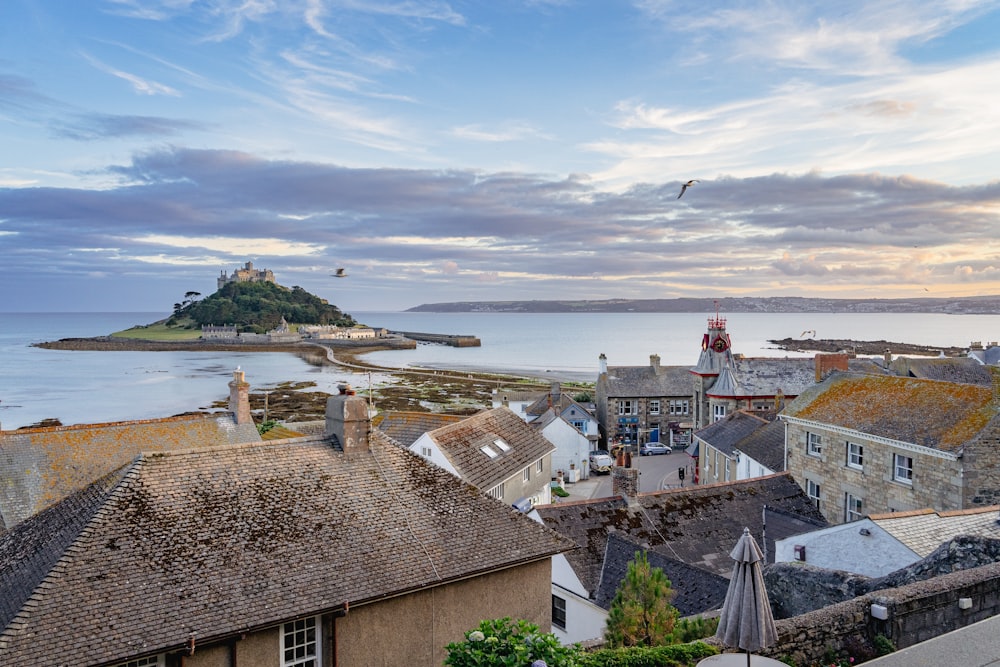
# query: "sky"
497,150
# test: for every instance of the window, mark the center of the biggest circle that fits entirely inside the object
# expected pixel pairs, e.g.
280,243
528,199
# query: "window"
526,474
902,468
627,408
504,447
496,492
814,444
855,455
486,449
719,412
852,507
654,407
152,661
716,464
579,425
539,466
558,612
678,407
726,467
299,643
425,451
812,490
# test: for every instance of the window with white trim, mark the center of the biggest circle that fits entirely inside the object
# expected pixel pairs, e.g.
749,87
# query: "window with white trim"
852,507
813,491
627,407
719,412
151,661
539,466
855,456
526,474
496,492
559,612
300,645
902,468
654,407
814,444
425,451
678,407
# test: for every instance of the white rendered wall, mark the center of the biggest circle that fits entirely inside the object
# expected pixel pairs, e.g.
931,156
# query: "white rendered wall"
844,548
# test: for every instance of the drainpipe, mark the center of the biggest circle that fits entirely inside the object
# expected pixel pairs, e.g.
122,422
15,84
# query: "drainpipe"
340,613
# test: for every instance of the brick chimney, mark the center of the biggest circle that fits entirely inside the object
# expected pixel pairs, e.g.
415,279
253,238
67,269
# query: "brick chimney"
347,418
625,482
825,363
239,397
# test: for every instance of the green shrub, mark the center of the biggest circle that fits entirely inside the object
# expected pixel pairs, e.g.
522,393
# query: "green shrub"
559,491
676,655
504,642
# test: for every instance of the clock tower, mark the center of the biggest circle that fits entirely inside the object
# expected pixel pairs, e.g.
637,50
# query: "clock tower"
716,355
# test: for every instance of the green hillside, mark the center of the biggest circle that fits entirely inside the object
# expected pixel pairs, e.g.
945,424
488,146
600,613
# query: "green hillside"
257,307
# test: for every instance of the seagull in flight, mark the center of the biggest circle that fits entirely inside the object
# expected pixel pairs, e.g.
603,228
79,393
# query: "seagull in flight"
339,274
811,332
686,186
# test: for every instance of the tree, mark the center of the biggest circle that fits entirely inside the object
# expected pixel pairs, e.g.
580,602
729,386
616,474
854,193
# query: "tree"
503,641
641,613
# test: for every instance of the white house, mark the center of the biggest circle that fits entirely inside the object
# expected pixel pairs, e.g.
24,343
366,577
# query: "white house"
572,447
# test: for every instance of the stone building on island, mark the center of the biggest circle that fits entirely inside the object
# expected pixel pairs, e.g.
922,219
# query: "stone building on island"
247,274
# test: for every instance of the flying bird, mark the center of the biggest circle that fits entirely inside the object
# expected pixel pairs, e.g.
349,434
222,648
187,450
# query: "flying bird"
811,332
686,186
339,274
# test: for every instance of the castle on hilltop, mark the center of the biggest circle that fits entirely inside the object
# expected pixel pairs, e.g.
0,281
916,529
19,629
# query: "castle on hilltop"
247,274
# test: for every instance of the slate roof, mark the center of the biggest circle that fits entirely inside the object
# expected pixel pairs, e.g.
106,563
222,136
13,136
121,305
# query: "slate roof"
646,382
40,466
216,542
923,531
697,525
461,442
564,403
695,590
940,415
727,433
989,355
405,427
765,376
965,369
766,445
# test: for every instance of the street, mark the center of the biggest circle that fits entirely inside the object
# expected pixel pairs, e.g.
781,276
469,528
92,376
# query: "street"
655,473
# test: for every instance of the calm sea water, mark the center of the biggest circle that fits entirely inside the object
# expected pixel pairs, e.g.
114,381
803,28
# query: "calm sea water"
89,387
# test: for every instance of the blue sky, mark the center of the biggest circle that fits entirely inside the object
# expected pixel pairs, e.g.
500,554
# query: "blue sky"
524,149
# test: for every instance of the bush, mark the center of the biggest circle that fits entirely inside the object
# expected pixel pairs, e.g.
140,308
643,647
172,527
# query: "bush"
676,655
502,642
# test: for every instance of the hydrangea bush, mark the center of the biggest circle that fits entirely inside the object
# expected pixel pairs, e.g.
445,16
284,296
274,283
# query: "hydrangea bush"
505,642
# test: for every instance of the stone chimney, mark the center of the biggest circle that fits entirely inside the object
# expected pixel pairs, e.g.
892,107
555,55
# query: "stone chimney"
625,483
654,362
887,357
347,418
825,363
555,395
602,365
239,397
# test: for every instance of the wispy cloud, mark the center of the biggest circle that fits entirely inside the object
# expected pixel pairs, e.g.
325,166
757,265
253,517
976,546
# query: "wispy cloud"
139,84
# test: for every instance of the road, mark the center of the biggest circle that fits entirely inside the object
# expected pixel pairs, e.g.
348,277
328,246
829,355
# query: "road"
655,473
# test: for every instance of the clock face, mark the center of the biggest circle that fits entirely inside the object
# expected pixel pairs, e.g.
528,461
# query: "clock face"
719,344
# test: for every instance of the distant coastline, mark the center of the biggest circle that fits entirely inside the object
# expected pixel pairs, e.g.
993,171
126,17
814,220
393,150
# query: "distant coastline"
972,305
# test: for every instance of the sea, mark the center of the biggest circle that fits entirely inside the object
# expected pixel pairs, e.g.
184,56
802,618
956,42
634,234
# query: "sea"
78,387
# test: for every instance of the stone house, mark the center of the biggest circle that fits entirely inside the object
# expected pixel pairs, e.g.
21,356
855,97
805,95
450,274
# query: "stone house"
740,446
342,549
694,528
42,466
496,452
884,543
633,401
868,444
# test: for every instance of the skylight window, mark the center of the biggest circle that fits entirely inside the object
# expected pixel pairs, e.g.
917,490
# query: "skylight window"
486,449
501,444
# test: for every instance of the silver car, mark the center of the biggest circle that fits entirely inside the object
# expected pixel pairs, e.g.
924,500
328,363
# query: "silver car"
651,448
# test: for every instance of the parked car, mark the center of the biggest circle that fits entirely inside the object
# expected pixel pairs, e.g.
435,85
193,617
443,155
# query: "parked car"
600,461
651,448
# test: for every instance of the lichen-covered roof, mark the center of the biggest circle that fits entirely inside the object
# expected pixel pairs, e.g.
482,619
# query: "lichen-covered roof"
211,543
647,382
697,525
462,444
923,531
406,426
940,415
695,590
41,466
964,369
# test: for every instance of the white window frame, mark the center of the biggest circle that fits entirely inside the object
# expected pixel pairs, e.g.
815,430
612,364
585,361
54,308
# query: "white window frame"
853,507
149,661
855,455
496,492
425,451
654,407
814,491
725,466
716,470
627,407
902,469
299,632
526,474
540,466
718,412
814,444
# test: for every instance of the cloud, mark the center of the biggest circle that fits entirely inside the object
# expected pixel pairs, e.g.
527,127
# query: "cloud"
89,127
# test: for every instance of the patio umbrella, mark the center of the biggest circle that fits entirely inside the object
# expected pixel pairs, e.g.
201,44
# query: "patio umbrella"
746,621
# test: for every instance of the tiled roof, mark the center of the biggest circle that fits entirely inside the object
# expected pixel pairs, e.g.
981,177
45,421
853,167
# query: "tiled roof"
963,369
697,525
40,466
646,382
764,376
212,543
766,445
564,403
941,415
923,531
726,433
461,443
405,427
695,590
